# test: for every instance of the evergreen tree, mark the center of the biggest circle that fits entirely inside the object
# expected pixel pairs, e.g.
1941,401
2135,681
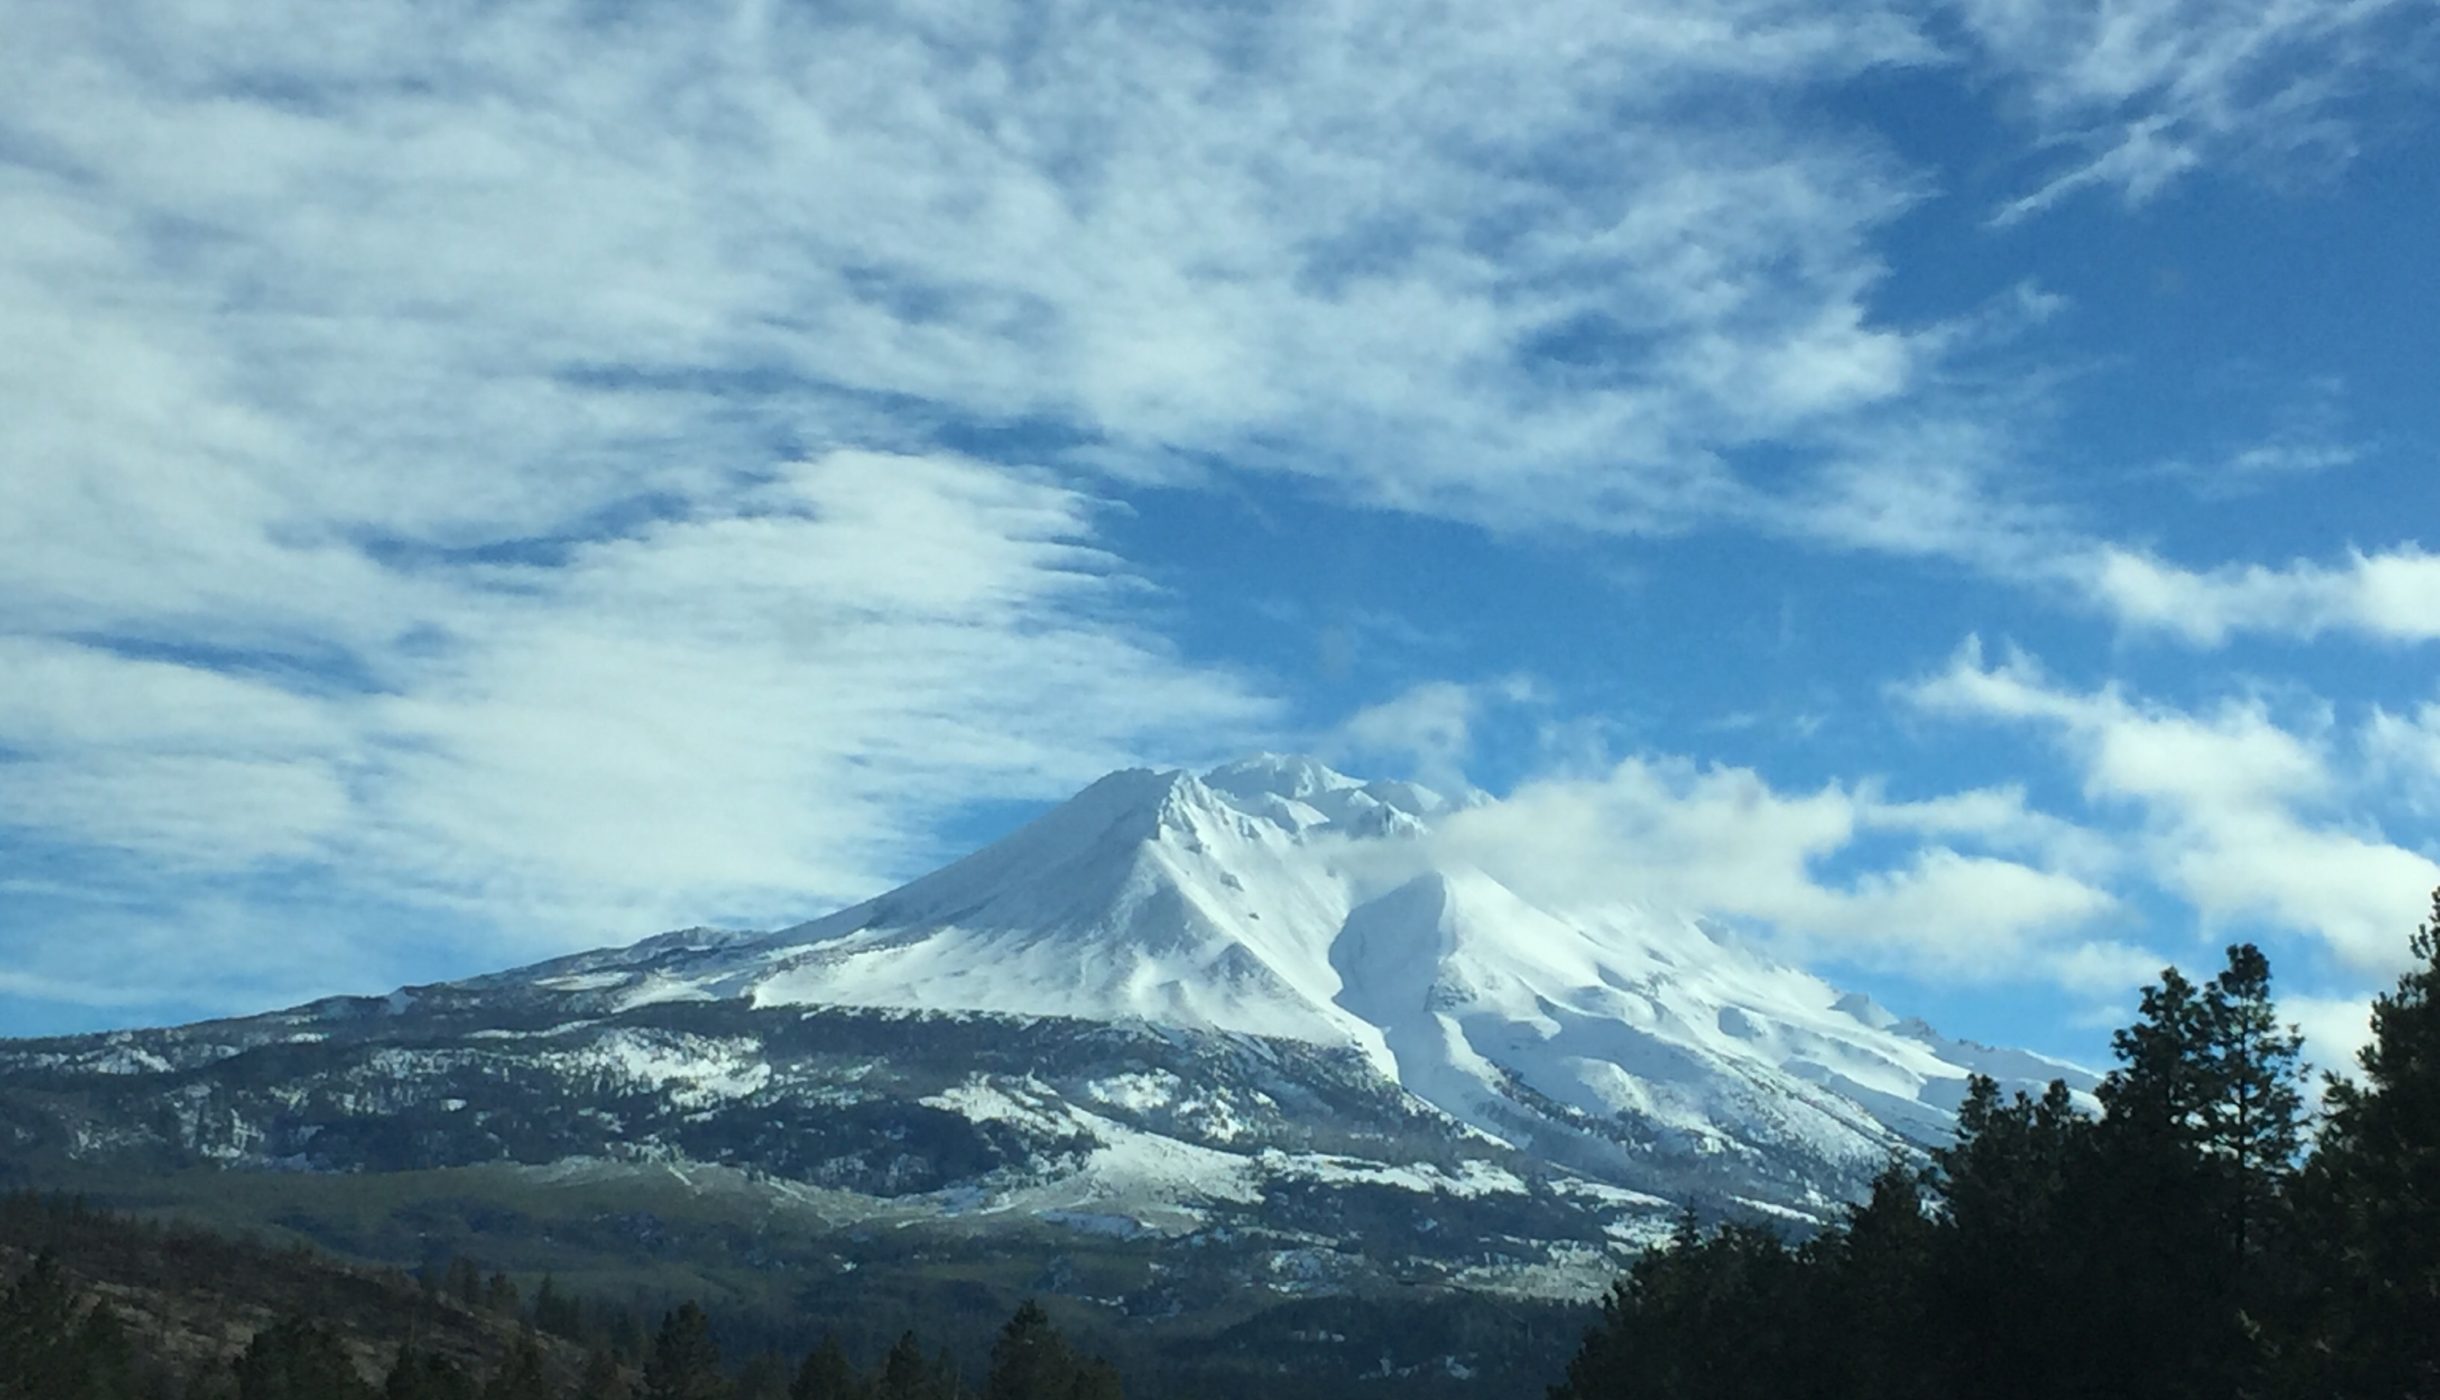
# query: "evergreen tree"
2163,1084
297,1358
2254,1122
904,1375
465,1281
604,1379
763,1377
1712,1317
2375,1191
522,1375
1875,1272
555,1312
418,1375
2005,1268
102,1361
37,1313
2203,1126
627,1339
500,1295
826,1374
1097,1379
685,1362
1030,1361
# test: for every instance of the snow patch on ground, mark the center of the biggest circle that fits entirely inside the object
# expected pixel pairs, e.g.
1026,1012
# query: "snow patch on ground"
1472,1179
691,1070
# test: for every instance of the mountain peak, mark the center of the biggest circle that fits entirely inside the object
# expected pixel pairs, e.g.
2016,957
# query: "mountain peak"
1229,902
1292,776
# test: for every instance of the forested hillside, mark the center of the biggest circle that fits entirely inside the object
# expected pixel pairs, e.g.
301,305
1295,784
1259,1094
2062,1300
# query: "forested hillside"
167,1313
2205,1237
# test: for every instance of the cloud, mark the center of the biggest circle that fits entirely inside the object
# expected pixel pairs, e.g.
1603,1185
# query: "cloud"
1721,842
2335,1028
2247,819
491,460
1535,272
748,712
2404,751
2141,93
1430,727
578,471
2390,596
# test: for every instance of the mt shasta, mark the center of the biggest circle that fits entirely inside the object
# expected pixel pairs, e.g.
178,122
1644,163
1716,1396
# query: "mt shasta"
1250,1005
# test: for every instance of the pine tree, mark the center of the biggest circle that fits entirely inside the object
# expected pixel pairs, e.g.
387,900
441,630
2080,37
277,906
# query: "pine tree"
904,1375
37,1313
1030,1361
2005,1264
1713,1317
297,1359
405,1378
100,1357
521,1375
685,1362
555,1312
1097,1379
2255,1120
2203,1125
763,1377
826,1374
500,1296
604,1379
1875,1271
465,1281
2375,1185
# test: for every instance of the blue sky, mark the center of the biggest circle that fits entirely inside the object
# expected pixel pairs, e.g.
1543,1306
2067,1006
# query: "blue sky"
1939,486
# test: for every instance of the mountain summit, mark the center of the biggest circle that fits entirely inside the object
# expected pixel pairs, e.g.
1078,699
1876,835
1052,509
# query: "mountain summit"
1257,1008
1610,1038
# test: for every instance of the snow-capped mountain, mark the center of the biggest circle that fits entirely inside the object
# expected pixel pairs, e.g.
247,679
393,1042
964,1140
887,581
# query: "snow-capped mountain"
1250,1004
1246,900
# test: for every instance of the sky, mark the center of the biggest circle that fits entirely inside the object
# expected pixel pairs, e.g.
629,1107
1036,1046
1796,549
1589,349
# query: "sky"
1941,488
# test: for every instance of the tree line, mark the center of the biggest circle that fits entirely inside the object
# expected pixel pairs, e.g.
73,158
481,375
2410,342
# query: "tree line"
2205,1236
59,1341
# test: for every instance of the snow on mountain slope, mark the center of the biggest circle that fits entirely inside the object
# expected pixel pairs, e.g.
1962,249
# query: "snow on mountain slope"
1609,1039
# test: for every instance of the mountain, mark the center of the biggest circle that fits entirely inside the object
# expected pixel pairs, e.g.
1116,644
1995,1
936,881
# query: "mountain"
1252,1011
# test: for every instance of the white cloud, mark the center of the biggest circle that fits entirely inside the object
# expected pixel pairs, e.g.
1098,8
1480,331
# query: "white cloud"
748,712
2243,817
401,404
1429,728
489,454
2140,93
2335,1028
2390,596
2403,750
1722,842
483,261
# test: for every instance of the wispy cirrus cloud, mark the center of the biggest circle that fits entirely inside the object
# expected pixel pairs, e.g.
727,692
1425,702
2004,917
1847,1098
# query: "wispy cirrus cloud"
752,712
2138,94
